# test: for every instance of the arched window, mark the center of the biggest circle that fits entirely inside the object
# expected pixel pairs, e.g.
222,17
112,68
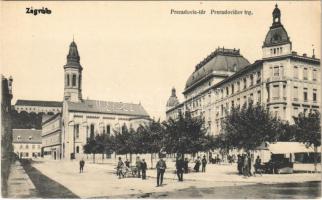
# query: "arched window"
108,129
77,149
74,80
67,82
92,130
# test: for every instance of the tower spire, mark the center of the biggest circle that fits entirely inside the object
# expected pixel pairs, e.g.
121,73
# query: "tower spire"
73,75
276,15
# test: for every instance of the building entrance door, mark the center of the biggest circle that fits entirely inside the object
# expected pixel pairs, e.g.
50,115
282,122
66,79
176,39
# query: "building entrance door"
55,155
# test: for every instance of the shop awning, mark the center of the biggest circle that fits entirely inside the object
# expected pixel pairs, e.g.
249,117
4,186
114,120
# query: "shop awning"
289,147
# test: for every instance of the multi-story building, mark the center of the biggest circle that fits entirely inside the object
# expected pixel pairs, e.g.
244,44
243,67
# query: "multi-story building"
83,119
51,136
6,132
27,143
6,128
46,107
285,82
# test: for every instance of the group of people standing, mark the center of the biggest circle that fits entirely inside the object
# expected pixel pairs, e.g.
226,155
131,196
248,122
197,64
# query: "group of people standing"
202,162
141,167
244,164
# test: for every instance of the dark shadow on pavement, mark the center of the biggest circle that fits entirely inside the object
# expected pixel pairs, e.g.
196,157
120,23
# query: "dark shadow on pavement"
46,187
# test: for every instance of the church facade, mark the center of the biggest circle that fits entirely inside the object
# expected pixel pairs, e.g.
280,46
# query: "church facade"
283,81
83,119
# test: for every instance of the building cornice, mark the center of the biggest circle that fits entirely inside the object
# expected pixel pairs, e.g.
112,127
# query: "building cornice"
111,113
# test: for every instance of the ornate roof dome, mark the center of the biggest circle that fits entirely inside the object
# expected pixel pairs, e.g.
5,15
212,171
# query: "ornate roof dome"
221,60
173,100
277,34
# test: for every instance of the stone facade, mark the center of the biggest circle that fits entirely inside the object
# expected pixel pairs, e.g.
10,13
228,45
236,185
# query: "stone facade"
283,81
51,137
82,119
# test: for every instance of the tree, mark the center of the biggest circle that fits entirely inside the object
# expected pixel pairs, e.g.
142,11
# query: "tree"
249,126
150,136
186,135
308,131
91,147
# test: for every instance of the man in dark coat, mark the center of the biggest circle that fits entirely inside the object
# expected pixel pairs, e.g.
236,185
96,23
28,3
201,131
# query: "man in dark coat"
161,166
203,163
81,165
127,163
180,168
197,165
186,165
143,168
239,164
119,168
249,165
138,166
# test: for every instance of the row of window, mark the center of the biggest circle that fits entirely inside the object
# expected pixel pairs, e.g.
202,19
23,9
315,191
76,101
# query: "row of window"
26,154
27,146
71,80
19,137
276,51
103,129
305,94
37,109
230,90
305,73
239,102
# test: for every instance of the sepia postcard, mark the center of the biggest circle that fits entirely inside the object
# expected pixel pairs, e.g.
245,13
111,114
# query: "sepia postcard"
161,99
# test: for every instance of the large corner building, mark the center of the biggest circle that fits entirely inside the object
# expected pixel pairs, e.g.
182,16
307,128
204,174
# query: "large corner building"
282,80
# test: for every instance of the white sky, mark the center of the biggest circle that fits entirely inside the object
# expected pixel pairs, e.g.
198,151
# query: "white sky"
136,51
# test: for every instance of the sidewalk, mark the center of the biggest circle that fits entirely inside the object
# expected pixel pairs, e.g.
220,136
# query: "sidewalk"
19,183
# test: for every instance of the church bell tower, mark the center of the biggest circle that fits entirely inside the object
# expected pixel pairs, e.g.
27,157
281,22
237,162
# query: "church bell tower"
73,75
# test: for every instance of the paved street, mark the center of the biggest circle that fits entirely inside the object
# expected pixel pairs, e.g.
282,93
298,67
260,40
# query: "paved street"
99,180
19,184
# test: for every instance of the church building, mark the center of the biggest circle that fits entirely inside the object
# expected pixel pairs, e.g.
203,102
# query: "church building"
83,119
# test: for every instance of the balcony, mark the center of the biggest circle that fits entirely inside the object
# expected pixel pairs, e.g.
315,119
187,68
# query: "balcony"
277,100
276,79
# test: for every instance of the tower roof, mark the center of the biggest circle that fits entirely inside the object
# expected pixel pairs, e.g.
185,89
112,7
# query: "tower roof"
173,100
221,60
73,56
277,35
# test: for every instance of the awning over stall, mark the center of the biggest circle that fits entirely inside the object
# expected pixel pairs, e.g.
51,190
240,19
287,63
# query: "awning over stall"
287,147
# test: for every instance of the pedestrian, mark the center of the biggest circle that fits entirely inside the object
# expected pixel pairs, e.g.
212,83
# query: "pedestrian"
161,166
127,163
249,164
257,165
239,164
245,166
138,166
186,166
180,168
197,165
81,165
119,168
143,168
204,163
